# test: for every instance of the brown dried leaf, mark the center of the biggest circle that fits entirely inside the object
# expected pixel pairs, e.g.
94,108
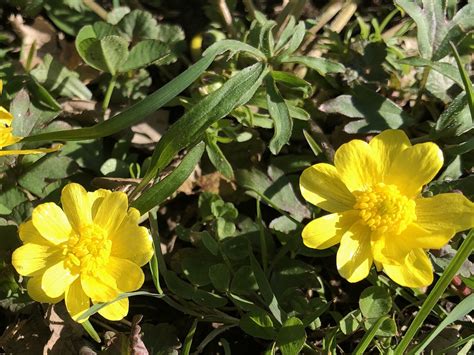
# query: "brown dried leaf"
148,132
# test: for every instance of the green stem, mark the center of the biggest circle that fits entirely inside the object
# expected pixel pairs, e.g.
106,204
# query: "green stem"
462,254
108,94
263,242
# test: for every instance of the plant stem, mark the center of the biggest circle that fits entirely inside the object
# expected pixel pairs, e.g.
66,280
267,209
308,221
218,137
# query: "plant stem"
108,94
462,254
263,242
95,7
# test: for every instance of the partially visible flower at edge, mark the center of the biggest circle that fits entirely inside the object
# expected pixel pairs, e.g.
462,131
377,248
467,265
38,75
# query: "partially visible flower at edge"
378,215
7,138
91,250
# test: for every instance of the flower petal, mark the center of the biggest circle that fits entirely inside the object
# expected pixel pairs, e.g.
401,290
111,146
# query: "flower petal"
354,257
444,212
76,205
392,248
131,241
117,268
387,146
29,234
101,287
51,222
57,279
326,231
415,167
115,311
36,292
356,164
112,211
96,199
321,185
77,302
31,259
416,271
28,151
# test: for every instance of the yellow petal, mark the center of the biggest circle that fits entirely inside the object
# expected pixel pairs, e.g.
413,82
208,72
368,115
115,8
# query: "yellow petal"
356,164
77,302
29,234
132,242
444,212
96,198
328,230
31,259
29,151
387,146
51,222
76,205
57,279
416,271
415,167
321,185
6,117
117,268
101,287
112,211
115,311
354,257
391,248
36,292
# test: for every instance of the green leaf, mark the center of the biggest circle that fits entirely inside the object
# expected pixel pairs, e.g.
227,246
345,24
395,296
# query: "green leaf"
138,25
282,122
150,104
220,276
466,80
106,54
377,112
233,47
144,53
56,77
292,82
368,337
434,30
98,306
258,324
191,126
321,65
209,242
298,36
244,282
351,322
455,120
217,157
159,192
291,337
375,302
447,69
461,310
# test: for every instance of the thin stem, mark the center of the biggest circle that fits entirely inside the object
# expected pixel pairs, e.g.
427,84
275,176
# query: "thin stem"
250,7
108,94
462,254
95,7
227,17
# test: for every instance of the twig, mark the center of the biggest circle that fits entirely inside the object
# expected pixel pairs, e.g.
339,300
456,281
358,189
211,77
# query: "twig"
293,8
344,16
226,16
250,7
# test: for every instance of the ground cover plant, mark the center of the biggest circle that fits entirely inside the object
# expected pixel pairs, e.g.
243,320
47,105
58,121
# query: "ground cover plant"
221,177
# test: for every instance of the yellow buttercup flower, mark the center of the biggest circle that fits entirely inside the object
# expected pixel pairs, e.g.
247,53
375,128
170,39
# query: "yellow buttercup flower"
91,250
8,138
373,192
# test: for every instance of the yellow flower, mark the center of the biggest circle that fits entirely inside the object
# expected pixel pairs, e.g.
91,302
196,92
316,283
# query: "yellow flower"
373,192
7,138
91,250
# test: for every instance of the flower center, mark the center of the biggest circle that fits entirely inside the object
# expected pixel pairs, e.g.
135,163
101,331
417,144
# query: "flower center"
383,208
88,251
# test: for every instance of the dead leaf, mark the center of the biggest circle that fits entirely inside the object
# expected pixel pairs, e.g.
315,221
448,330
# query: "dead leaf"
41,34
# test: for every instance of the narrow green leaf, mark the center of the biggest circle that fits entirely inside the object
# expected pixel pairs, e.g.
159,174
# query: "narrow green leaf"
368,337
188,341
89,328
462,254
98,306
297,38
218,159
447,69
321,65
191,126
312,143
159,192
465,79
463,308
282,122
150,104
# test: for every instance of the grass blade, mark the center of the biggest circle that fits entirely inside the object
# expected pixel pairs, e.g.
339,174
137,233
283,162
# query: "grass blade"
465,79
463,252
